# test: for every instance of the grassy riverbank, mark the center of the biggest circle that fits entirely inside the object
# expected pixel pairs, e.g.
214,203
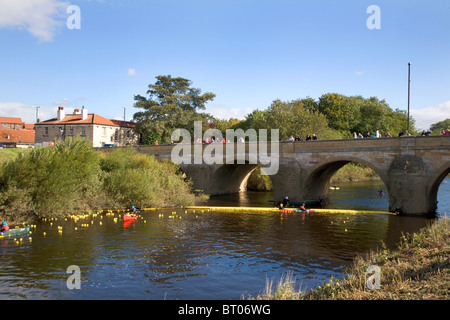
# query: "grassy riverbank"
354,172
53,182
418,270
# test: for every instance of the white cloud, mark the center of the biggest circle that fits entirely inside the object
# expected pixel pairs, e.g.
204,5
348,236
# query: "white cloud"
42,18
360,73
220,111
26,111
427,116
131,72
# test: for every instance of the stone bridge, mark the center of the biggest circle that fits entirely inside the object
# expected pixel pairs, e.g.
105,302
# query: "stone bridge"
411,168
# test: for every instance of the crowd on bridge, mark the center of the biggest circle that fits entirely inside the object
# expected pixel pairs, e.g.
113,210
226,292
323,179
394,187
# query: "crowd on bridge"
307,138
216,140
424,133
377,135
367,135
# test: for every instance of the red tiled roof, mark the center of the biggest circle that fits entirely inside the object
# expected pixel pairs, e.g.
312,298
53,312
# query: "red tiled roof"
23,136
91,118
10,120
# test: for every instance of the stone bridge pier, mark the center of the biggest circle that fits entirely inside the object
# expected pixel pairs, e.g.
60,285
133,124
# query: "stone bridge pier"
411,168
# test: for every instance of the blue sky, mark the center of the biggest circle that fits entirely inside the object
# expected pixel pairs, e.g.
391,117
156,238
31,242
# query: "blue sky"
247,52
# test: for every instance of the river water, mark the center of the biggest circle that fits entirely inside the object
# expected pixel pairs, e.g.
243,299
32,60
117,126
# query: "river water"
187,254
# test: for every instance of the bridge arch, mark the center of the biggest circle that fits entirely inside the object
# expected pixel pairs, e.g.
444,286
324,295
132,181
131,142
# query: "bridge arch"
436,181
316,184
233,177
220,179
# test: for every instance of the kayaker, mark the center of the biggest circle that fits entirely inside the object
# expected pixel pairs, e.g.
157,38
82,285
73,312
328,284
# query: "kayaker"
4,227
134,210
285,202
303,207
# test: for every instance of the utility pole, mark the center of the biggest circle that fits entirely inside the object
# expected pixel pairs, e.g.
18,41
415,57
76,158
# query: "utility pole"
409,84
123,128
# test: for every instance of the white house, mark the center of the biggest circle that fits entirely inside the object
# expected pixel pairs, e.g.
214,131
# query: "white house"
99,130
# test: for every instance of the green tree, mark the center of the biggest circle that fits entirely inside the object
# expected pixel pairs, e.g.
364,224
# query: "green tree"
151,138
437,127
360,115
339,111
310,104
294,118
172,104
374,115
224,124
257,119
398,121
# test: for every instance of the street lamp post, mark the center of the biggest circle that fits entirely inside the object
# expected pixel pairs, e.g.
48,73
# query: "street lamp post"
124,112
409,83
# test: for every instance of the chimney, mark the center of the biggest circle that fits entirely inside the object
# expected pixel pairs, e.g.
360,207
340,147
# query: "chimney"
76,111
84,113
61,113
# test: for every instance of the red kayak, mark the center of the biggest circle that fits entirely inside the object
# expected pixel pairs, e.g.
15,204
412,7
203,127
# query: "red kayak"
297,210
127,217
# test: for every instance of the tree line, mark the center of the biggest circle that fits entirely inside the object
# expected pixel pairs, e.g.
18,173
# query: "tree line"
173,103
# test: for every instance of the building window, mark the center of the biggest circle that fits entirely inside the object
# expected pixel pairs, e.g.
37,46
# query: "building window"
70,131
45,131
104,131
128,133
60,131
116,135
83,131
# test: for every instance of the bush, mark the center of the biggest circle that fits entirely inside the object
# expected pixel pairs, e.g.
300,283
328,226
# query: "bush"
55,181
141,180
51,181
